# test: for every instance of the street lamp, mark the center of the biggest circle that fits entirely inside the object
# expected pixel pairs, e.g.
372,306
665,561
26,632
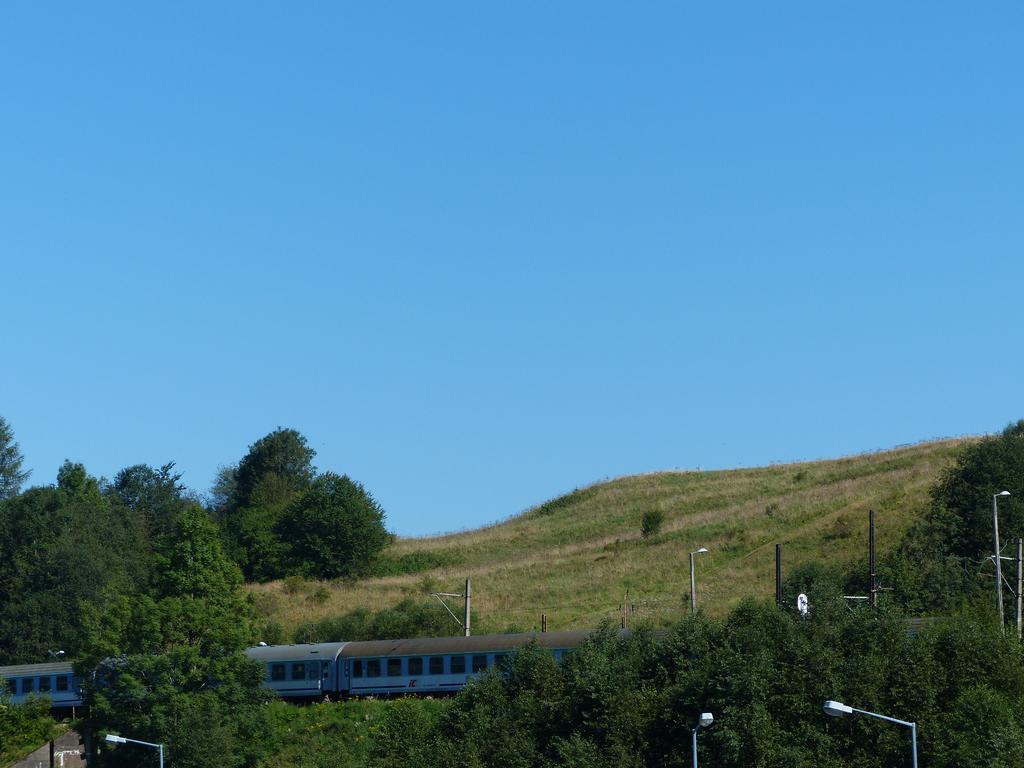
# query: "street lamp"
999,567
693,582
706,719
113,739
835,709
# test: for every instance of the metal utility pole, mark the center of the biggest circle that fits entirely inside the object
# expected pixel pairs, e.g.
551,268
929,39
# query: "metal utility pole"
466,614
778,575
872,576
999,565
693,587
1020,582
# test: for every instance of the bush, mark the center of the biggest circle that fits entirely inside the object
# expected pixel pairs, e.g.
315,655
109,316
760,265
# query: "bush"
651,522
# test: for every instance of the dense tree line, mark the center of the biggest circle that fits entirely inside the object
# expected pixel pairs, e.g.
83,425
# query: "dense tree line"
621,701
85,546
942,564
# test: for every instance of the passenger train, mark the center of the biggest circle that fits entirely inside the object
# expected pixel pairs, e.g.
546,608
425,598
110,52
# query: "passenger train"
429,665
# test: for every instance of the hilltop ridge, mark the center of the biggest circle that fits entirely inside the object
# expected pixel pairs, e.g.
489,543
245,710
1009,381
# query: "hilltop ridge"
579,556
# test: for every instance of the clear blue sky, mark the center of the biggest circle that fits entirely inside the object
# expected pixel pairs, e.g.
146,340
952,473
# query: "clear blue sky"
480,254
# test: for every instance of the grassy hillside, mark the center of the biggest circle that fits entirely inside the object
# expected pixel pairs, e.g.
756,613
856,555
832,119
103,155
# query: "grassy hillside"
575,557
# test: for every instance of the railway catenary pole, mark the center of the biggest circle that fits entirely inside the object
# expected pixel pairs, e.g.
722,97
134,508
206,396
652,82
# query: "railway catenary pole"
1020,582
465,623
999,566
778,575
872,575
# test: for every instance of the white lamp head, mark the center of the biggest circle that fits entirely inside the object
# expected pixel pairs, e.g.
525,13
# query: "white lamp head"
836,709
115,739
701,551
1003,493
706,719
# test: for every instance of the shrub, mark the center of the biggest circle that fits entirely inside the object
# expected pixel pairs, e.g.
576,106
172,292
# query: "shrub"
651,522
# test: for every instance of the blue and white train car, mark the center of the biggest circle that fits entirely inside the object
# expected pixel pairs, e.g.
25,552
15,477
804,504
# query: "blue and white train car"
427,665
436,664
302,671
56,681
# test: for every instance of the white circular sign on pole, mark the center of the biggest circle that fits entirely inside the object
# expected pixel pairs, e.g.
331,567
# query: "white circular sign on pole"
802,605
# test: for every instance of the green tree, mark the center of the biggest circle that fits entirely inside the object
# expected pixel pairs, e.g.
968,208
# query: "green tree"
285,454
252,498
935,568
60,548
152,497
171,666
335,529
23,726
11,460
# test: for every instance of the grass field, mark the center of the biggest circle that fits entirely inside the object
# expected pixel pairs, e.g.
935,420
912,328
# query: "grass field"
576,557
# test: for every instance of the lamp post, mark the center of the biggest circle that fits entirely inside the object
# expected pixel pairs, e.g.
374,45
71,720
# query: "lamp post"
693,581
113,739
706,719
999,567
835,709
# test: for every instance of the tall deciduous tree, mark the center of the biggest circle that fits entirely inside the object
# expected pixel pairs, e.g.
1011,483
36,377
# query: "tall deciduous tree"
277,469
335,529
60,548
11,475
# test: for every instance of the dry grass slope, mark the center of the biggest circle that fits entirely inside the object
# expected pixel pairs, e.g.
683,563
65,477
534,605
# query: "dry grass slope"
575,557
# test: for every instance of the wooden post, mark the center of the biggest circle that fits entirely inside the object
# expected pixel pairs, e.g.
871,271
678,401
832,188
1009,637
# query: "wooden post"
51,754
543,622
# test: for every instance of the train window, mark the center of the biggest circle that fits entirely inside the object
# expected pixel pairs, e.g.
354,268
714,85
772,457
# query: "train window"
12,686
298,671
277,671
373,668
26,684
500,659
479,663
394,667
458,664
62,682
437,665
44,684
357,668
416,666
314,670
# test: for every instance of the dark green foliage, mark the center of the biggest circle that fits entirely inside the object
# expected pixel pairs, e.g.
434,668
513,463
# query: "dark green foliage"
170,663
940,566
411,562
285,454
23,727
251,498
409,618
61,548
764,673
564,502
11,460
338,735
651,522
334,529
150,496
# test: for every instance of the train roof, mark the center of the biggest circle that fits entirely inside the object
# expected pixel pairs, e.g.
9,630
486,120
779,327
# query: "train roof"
473,644
37,670
295,652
